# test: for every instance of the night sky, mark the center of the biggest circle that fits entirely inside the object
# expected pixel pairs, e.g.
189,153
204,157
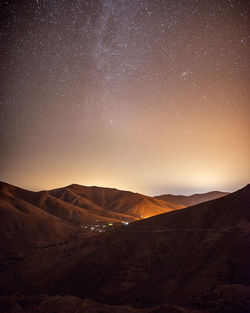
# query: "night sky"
144,95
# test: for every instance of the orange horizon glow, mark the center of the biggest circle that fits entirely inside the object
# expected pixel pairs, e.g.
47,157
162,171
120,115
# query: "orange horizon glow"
153,103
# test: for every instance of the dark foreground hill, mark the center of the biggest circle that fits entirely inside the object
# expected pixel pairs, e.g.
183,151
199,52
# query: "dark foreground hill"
190,260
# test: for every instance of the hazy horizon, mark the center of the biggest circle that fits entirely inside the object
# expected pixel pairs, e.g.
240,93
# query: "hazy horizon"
169,190
140,95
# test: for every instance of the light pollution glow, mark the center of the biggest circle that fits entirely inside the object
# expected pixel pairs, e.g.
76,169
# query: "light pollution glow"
137,95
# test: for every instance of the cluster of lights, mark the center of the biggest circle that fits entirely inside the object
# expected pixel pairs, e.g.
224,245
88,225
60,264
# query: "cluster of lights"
100,227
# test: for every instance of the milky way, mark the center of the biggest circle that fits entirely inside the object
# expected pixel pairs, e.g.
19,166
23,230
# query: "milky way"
151,96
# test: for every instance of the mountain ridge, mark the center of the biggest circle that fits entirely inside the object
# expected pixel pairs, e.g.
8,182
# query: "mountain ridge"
192,199
195,259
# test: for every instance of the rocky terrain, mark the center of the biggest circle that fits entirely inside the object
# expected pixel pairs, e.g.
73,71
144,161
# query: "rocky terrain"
190,260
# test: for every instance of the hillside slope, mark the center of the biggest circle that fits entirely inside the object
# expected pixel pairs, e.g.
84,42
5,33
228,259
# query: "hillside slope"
171,257
79,205
187,201
197,256
30,219
24,226
120,203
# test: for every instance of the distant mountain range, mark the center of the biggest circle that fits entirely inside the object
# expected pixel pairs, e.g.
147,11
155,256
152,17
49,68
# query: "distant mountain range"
33,218
186,201
194,259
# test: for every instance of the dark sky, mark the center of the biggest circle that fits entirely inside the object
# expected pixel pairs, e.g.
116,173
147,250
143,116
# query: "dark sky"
145,95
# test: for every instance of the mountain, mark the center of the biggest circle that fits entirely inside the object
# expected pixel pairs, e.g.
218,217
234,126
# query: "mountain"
24,225
186,201
172,257
119,204
190,260
77,205
31,219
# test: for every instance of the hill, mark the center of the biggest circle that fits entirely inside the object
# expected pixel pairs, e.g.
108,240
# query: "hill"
24,225
186,201
195,257
118,203
30,219
173,257
79,205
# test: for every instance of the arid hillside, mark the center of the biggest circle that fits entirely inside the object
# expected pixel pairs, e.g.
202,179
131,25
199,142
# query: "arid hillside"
33,219
186,201
191,258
